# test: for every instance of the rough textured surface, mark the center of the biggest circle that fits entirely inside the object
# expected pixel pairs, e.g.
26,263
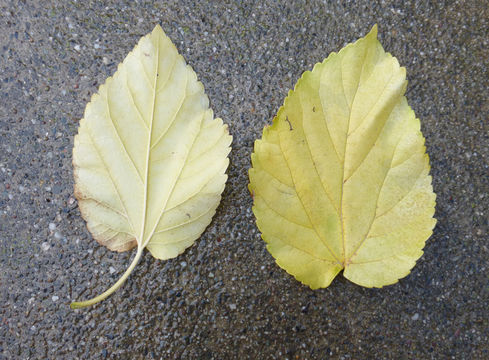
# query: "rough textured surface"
224,297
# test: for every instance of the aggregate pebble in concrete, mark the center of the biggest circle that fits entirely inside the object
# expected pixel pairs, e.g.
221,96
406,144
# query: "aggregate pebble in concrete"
225,298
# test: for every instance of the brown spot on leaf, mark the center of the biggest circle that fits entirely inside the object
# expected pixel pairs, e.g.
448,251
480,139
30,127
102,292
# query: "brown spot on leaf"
290,125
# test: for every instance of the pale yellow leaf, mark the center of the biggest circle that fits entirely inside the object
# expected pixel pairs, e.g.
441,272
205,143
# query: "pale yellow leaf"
149,158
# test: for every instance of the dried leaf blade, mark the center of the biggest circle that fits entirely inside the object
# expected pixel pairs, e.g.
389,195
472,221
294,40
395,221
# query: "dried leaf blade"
149,158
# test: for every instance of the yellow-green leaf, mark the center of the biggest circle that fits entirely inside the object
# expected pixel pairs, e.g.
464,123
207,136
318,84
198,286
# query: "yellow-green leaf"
341,179
149,158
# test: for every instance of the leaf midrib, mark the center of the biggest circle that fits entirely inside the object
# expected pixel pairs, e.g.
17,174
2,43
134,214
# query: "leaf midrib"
343,181
342,220
143,242
148,152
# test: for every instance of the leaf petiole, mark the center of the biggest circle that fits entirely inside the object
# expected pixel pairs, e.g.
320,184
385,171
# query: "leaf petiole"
108,292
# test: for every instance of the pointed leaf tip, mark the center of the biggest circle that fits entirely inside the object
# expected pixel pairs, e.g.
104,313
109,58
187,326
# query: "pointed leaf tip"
373,31
158,30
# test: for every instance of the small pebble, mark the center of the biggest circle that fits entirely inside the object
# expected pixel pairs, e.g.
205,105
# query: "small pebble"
232,306
77,47
52,226
415,317
111,270
55,298
45,246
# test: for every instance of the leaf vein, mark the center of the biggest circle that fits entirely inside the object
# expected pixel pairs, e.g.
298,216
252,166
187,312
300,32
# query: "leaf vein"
172,121
111,178
373,106
377,201
104,204
329,133
186,222
265,169
283,216
193,195
302,202
413,186
346,143
176,181
305,251
371,148
314,164
148,145
131,96
119,136
109,228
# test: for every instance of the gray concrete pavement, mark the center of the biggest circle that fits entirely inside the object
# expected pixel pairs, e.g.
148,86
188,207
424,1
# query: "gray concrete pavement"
225,298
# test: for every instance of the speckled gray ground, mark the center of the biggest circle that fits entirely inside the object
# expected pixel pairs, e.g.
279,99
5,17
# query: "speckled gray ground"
225,298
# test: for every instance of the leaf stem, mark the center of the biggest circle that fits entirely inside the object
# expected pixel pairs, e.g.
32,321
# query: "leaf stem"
122,279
